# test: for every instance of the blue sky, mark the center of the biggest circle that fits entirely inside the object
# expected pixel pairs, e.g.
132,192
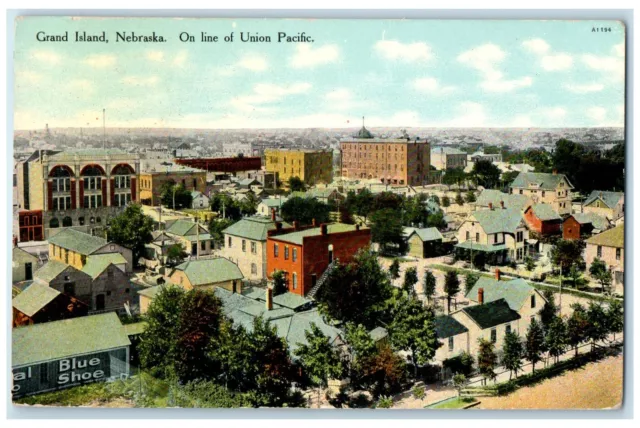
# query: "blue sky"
393,72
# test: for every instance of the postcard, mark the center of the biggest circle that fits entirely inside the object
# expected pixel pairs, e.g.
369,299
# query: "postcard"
335,214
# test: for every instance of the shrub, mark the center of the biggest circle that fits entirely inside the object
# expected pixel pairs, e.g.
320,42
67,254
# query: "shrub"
384,402
419,392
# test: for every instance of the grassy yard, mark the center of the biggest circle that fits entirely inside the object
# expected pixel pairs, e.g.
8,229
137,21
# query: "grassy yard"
453,403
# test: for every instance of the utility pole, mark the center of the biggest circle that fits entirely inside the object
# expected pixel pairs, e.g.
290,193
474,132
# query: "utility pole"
560,306
197,239
175,187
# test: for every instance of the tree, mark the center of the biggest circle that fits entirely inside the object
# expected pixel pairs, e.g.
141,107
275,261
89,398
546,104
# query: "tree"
451,286
567,253
362,347
599,271
529,263
319,359
549,310
410,280
226,206
171,193
487,359
296,184
356,292
387,229
508,177
512,353
429,285
556,338
454,176
413,330
486,174
534,343
446,201
470,197
199,323
597,327
131,229
470,280
216,230
304,210
394,269
157,347
615,317
385,370
176,255
575,271
279,282
459,199
459,381
577,325
360,204
249,205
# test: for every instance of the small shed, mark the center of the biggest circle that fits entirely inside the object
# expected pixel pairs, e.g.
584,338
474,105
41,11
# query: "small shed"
423,243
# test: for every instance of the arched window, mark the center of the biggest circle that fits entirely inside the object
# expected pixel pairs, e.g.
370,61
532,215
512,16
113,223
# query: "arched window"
92,177
54,223
121,176
67,222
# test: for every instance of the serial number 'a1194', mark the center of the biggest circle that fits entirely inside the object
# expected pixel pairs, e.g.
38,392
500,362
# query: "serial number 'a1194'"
600,29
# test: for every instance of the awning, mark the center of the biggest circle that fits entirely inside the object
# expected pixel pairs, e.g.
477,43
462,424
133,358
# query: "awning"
468,245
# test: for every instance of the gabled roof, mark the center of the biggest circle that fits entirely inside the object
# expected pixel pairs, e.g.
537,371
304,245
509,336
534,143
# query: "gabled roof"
498,220
254,228
610,199
59,339
210,271
50,270
491,314
298,237
514,292
495,197
610,238
77,241
180,227
543,180
447,150
98,263
273,202
426,234
447,326
195,194
545,212
20,255
597,221
34,298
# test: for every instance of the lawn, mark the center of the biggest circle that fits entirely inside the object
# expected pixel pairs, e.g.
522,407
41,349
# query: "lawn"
453,403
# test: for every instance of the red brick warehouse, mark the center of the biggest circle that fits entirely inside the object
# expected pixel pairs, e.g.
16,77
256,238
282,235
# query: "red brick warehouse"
304,253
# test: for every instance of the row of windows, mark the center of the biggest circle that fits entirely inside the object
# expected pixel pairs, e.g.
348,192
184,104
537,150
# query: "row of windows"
68,222
61,184
376,147
122,182
372,167
294,279
294,252
62,203
618,252
122,199
92,201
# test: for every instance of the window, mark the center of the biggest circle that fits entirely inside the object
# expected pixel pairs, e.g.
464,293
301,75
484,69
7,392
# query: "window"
108,293
203,245
521,191
253,247
295,255
543,193
618,253
254,269
467,236
494,336
286,252
110,274
295,281
229,243
533,301
70,288
477,237
599,251
451,343
244,246
275,250
507,329
495,238
519,236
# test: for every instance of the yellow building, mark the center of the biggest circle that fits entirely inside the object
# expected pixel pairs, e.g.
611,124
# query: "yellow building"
151,182
311,166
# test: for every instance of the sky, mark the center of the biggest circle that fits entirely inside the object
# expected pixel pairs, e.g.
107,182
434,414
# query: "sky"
404,73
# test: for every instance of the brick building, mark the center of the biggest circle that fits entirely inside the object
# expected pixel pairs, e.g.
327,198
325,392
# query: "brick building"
305,253
541,218
311,166
392,161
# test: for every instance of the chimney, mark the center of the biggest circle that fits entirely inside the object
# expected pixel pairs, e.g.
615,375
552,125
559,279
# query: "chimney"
296,225
491,205
497,274
480,296
269,298
313,223
555,172
502,204
273,214
278,225
323,228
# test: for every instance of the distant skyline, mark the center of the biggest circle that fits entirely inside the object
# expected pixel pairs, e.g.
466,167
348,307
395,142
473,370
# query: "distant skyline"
543,74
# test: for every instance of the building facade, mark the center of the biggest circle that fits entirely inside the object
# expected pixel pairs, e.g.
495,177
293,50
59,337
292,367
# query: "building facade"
545,188
606,204
311,166
443,158
82,187
151,183
608,246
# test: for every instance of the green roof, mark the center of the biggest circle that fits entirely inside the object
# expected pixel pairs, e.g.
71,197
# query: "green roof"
78,242
447,150
545,212
180,227
50,270
97,263
34,298
609,238
86,152
515,292
597,221
495,197
298,237
611,199
210,271
470,245
201,237
22,256
542,180
253,228
363,133
491,314
59,339
274,202
447,326
150,292
498,220
426,234
135,329
378,333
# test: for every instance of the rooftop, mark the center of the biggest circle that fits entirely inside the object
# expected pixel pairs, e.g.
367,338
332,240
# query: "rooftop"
514,292
50,270
210,271
97,263
77,241
34,298
545,212
426,234
59,339
447,326
298,237
254,228
447,150
611,199
498,220
597,221
542,180
491,314
609,238
495,197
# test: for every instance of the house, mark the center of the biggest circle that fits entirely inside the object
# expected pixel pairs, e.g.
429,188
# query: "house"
199,200
581,225
245,243
325,195
603,203
39,303
155,252
454,337
500,234
305,253
608,246
443,158
541,218
208,274
553,189
266,205
23,265
146,295
72,247
495,198
423,243
249,183
193,237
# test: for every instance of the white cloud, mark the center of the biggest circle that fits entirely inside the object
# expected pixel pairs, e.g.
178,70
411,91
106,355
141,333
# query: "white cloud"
100,60
537,46
557,62
470,115
123,104
506,85
156,56
253,62
408,52
140,81
554,113
343,99
264,93
584,88
487,60
307,56
28,77
611,66
521,121
597,113
180,59
45,56
618,49
432,86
